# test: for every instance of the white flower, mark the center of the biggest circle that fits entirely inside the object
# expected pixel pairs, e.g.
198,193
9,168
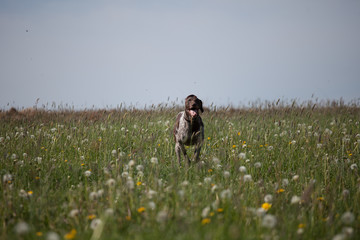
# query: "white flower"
110,182
185,183
339,236
295,199
109,212
295,178
95,223
114,153
226,174
93,196
22,228
270,148
139,167
154,160
125,174
74,213
269,221
39,160
131,163
268,198
23,193
216,160
13,156
242,155
214,188
285,182
100,193
7,177
347,218
242,169
130,184
52,236
152,205
151,193
225,194
207,180
257,165
87,173
353,166
247,178
205,212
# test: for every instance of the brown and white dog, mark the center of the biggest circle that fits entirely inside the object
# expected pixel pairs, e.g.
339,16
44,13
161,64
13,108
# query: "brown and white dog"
189,128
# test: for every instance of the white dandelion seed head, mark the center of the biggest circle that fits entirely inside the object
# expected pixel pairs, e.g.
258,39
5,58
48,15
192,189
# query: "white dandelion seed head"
181,193
151,205
95,223
52,236
114,153
82,158
268,198
154,160
242,169
295,177
125,174
7,177
216,160
13,156
260,212
185,183
110,182
130,184
353,166
340,236
214,188
225,194
285,182
93,196
348,231
100,193
348,218
131,163
87,173
140,168
207,180
257,165
74,213
247,178
151,193
300,231
109,212
269,221
23,193
270,148
346,193
25,155
319,145
140,174
205,212
242,155
295,199
226,174
22,228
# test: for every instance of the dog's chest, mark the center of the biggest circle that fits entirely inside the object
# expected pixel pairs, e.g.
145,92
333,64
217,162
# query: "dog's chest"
189,132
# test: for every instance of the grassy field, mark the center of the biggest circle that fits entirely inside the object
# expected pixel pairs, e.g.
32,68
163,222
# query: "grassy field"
268,172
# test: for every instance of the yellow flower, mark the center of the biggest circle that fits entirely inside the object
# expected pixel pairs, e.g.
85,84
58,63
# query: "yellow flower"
30,192
220,210
234,146
39,234
66,160
266,206
238,133
210,170
205,221
320,199
212,214
83,164
128,218
301,225
141,209
71,234
37,178
209,138
261,146
91,216
280,190
138,183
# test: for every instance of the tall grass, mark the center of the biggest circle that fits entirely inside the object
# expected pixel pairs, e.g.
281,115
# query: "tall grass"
268,172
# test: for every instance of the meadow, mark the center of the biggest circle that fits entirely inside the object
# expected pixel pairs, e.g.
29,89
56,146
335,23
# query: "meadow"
273,171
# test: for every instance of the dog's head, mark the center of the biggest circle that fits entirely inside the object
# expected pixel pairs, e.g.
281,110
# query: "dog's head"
192,106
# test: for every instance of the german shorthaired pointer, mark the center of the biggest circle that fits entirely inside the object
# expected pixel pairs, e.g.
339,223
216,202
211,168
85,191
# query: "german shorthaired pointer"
189,128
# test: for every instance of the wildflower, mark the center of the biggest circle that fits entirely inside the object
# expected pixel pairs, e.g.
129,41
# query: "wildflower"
225,194
7,178
280,190
141,209
95,223
295,177
91,216
130,184
128,218
340,236
71,234
207,180
285,182
205,212
93,196
220,210
139,167
185,183
109,212
320,199
131,163
210,170
268,198
124,174
110,182
260,212
154,160
269,221
87,173
247,178
347,218
266,206
226,174
295,199
151,193
52,236
234,146
208,138
257,165
152,205
242,169
23,193
74,213
113,153
242,155
353,166
39,234
205,221
138,183
22,228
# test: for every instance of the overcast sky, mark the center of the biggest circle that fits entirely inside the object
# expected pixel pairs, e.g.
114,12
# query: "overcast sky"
105,53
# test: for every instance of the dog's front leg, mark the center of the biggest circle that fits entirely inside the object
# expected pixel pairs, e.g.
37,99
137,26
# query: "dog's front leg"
197,151
180,147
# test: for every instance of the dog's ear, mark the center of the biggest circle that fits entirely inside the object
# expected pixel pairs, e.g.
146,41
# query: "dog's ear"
200,104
